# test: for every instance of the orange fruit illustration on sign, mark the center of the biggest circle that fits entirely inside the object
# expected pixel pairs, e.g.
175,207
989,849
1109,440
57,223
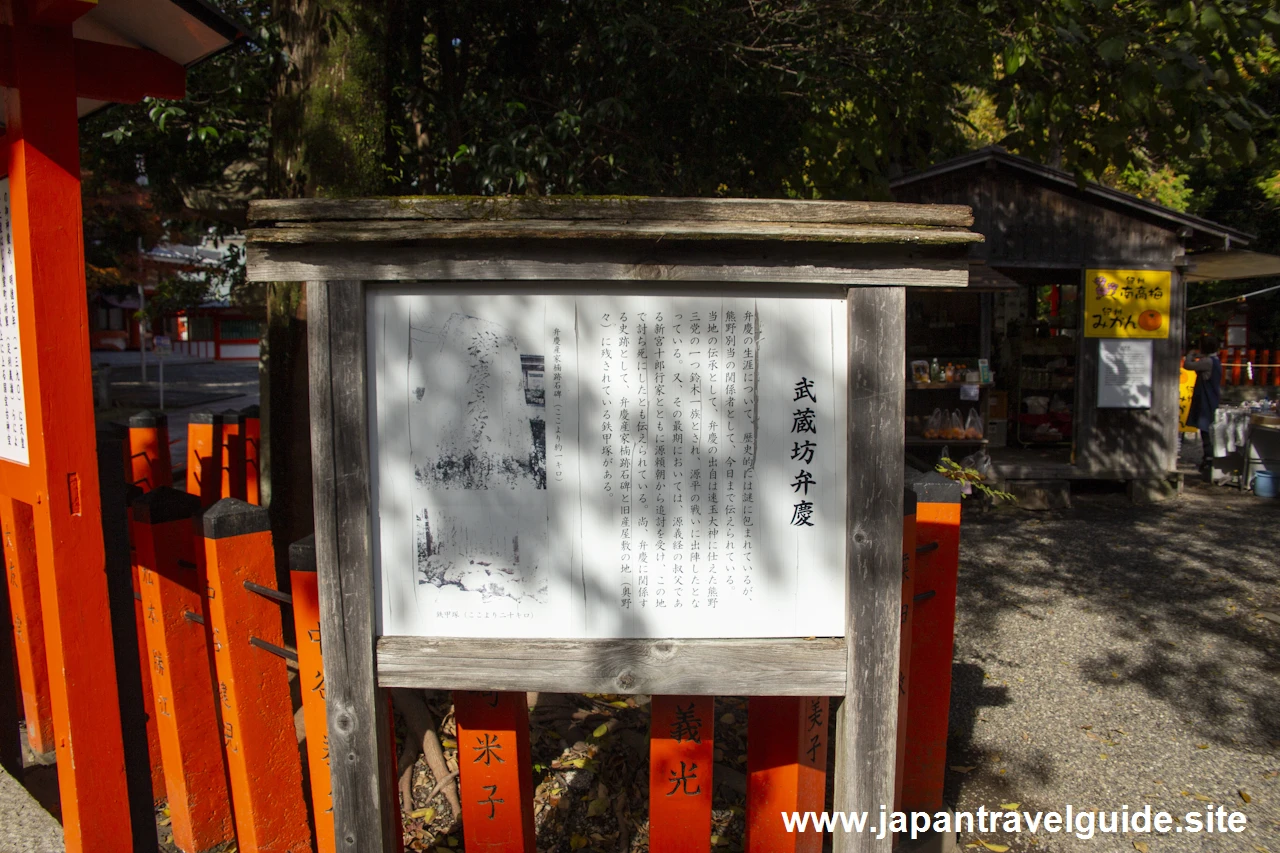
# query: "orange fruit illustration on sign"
1150,320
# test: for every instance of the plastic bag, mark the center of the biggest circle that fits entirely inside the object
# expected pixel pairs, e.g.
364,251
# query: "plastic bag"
973,425
956,428
933,426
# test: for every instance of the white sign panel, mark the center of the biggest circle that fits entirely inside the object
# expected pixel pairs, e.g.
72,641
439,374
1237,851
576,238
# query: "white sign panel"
1124,373
608,466
13,408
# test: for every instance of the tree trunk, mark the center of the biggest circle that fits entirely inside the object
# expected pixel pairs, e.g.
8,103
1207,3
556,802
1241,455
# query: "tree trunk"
329,121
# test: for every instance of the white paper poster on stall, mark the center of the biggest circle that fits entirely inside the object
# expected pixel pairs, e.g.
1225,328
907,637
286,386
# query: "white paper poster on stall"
608,466
13,406
1124,373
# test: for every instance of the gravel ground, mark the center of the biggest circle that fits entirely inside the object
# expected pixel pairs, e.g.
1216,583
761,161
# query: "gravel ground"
1113,654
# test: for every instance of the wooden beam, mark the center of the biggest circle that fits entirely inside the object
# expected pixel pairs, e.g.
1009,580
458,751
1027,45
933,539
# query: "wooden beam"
773,667
110,72
364,810
866,722
58,13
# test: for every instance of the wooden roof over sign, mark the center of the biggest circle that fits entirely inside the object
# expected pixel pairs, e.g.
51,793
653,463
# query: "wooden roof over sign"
144,44
663,238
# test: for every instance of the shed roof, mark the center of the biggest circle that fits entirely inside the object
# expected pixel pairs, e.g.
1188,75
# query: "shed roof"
1093,192
184,31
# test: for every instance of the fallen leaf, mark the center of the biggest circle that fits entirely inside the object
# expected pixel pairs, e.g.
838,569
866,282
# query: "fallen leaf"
1010,807
449,744
426,814
577,842
1142,847
598,807
619,704
718,841
1202,746
452,841
1202,798
1244,795
994,848
601,730
960,769
1102,757
1261,849
727,719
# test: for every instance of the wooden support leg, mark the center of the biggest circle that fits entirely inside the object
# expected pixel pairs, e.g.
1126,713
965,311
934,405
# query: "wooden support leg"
204,457
786,771
904,654
186,713
150,464
253,684
681,758
496,774
306,620
18,527
233,477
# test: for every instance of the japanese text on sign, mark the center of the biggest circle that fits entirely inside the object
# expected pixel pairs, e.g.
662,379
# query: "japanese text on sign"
13,409
1127,303
675,474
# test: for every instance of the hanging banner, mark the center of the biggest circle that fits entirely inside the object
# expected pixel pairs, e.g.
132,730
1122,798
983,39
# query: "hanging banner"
1186,388
609,466
1127,303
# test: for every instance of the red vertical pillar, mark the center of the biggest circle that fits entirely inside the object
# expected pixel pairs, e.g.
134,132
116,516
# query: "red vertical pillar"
251,432
232,454
496,778
204,457
306,621
681,758
786,771
28,628
178,647
62,469
144,661
253,684
932,641
149,465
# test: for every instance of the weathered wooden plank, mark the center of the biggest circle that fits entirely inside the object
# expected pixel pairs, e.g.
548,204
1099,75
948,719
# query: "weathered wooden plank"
365,816
791,265
547,229
867,720
607,209
772,667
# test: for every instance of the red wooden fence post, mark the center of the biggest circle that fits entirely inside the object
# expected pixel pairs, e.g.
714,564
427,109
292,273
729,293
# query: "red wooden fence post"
932,641
17,523
681,758
186,712
149,463
253,683
1224,357
204,457
786,771
904,657
251,432
233,475
144,661
496,772
306,620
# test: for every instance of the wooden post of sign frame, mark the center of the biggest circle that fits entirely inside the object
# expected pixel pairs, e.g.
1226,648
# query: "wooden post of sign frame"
860,252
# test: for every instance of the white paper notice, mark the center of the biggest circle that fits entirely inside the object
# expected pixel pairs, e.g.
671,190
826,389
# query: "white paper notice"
1124,373
600,466
13,408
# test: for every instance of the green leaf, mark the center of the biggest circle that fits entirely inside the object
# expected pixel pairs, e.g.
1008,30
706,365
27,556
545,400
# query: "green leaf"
1113,49
601,730
1012,59
1211,19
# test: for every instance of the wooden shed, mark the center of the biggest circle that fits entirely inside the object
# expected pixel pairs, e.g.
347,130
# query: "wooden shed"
1056,250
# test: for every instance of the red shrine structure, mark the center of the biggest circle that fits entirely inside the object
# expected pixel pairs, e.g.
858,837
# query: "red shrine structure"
60,60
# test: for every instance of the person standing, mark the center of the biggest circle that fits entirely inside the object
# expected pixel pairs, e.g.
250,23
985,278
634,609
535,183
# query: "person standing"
1208,392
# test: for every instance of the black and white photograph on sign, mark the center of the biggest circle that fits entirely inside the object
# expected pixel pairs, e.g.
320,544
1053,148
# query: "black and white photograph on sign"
608,466
1124,373
13,408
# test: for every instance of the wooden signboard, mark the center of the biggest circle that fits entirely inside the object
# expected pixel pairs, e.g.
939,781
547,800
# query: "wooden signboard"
647,446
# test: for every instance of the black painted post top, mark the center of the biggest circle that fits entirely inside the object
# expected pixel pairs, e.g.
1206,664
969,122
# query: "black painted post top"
233,416
111,431
254,411
302,555
205,418
148,419
908,501
233,517
132,492
932,488
165,504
